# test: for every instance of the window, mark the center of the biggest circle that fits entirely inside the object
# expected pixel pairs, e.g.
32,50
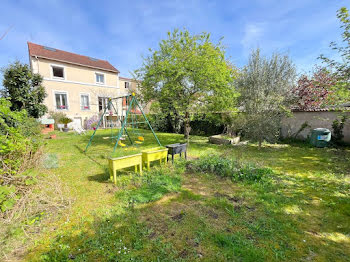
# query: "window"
61,101
102,103
127,84
85,103
58,71
100,78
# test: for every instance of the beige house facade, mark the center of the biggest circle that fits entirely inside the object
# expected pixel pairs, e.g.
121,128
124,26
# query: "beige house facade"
77,85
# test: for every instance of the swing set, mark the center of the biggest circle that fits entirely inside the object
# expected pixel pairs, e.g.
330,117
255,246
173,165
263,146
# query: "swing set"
132,111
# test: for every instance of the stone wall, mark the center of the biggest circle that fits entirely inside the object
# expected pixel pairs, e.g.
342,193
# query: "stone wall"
290,126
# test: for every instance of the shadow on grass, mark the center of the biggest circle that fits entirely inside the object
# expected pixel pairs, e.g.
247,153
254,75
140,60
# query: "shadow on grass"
184,226
302,215
102,178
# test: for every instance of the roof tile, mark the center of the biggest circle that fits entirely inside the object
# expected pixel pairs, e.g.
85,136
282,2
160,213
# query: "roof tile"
63,56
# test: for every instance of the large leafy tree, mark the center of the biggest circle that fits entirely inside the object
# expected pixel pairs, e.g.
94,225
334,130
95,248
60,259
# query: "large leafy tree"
188,74
341,66
265,85
24,89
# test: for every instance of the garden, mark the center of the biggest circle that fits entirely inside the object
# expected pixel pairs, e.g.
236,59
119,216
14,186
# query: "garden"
281,202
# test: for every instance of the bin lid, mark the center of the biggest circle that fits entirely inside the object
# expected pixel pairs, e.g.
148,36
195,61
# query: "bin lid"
324,130
47,121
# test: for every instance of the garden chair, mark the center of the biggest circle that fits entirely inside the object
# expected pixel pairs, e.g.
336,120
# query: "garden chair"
79,130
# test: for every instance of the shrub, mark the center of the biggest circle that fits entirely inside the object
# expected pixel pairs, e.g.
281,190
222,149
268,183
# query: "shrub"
200,125
20,140
338,126
231,168
214,164
57,116
91,122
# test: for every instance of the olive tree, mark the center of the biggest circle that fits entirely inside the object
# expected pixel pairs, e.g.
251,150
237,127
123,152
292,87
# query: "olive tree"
186,75
265,87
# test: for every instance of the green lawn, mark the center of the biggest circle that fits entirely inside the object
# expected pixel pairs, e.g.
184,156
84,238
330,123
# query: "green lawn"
174,214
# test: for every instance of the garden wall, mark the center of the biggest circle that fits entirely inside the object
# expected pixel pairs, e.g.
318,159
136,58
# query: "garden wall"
290,126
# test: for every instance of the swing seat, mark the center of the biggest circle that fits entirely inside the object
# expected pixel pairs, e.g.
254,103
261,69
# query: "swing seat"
121,144
140,140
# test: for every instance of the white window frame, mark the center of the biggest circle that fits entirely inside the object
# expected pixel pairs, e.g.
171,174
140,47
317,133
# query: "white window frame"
106,98
128,84
56,77
81,104
54,99
104,78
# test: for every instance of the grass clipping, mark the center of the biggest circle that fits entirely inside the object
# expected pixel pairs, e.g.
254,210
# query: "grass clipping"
42,201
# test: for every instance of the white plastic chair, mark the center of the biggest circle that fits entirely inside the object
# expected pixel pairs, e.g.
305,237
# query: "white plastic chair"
79,130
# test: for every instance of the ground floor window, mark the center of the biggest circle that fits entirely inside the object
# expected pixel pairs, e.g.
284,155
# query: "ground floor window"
102,103
85,103
61,101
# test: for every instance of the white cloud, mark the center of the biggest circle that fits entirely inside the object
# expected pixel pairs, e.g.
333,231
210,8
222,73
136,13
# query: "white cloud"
253,34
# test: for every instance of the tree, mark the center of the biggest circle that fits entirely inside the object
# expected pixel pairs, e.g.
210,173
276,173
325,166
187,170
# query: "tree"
341,69
188,73
315,91
265,86
24,89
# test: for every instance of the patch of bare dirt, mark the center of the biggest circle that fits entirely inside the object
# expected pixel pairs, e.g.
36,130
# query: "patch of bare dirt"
111,189
212,214
179,217
233,199
183,253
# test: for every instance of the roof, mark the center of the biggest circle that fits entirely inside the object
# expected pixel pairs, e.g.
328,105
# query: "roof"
67,57
324,109
125,78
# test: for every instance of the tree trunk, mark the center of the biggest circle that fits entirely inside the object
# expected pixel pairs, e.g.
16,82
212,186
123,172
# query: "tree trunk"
187,127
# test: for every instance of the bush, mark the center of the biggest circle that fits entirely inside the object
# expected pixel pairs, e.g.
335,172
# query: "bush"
200,125
162,123
206,127
338,126
20,140
57,116
91,123
231,168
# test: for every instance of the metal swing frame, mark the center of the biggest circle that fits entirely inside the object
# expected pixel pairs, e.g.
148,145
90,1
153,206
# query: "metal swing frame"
133,101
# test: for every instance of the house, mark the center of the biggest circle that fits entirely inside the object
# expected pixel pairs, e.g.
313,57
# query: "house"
78,85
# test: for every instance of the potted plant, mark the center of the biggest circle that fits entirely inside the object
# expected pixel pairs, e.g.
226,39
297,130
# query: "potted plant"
65,121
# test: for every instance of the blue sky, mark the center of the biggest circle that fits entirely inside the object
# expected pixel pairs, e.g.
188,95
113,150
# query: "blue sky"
122,31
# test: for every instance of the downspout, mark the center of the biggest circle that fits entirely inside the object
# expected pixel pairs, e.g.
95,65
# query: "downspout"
37,60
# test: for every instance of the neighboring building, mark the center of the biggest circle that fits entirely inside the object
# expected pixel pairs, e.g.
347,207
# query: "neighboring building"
78,85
